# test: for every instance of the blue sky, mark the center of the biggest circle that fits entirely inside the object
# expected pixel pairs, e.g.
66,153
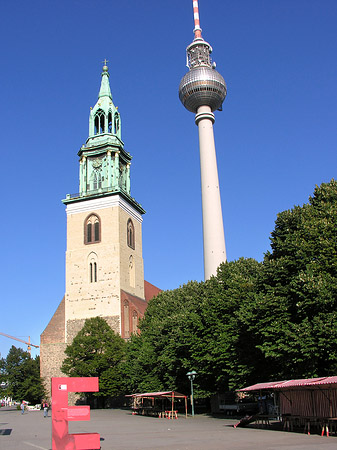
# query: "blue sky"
275,138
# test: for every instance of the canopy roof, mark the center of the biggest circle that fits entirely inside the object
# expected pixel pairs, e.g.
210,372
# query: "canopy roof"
163,394
306,382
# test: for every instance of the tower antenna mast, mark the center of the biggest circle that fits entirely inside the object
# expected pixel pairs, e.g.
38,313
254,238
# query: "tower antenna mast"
202,91
197,30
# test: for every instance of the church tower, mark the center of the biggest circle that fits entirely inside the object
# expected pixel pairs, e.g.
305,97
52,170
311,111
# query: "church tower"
104,262
104,224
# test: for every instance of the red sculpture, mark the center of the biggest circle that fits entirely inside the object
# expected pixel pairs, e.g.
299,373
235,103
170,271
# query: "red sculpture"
62,413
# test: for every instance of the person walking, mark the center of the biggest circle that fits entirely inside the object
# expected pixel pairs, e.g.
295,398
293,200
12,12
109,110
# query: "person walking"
22,407
45,407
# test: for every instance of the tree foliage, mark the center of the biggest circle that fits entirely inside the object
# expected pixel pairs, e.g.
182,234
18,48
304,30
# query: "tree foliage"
300,274
97,351
253,321
193,327
23,376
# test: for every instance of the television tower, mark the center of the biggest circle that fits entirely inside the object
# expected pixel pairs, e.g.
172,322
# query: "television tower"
202,91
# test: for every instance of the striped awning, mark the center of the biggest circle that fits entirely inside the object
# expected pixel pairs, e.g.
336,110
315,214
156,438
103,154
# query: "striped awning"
310,382
163,394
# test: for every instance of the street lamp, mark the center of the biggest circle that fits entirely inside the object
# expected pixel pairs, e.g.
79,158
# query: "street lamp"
191,375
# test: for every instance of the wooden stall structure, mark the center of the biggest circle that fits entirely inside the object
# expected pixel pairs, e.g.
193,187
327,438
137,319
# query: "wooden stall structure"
308,403
156,404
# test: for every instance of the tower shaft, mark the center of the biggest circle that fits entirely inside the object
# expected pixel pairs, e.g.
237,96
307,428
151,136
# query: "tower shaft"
202,90
213,231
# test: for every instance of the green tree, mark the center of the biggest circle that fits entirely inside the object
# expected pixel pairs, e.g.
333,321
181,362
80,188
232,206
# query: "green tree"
159,357
239,360
97,351
298,320
194,327
23,376
2,370
253,321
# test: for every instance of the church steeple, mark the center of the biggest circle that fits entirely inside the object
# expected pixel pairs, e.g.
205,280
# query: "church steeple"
104,116
104,259
104,163
105,85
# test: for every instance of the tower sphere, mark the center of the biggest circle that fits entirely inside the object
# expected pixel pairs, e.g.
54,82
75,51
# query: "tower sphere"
202,86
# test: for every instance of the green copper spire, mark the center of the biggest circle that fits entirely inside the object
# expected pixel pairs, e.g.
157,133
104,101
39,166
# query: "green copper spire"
105,85
104,163
104,116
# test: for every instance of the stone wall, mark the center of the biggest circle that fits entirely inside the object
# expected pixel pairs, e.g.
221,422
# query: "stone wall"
52,346
74,326
51,359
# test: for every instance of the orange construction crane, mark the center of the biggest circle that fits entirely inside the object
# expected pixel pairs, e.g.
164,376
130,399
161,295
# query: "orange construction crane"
20,340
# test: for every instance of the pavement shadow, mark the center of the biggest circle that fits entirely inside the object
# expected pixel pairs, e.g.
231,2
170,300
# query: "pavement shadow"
5,432
223,416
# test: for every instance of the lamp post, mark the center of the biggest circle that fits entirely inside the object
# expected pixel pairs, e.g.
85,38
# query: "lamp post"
191,375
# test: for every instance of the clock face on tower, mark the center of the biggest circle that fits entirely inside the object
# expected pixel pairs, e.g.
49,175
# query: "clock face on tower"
97,163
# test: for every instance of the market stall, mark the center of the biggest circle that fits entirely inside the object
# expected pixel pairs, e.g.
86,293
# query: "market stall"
161,404
307,403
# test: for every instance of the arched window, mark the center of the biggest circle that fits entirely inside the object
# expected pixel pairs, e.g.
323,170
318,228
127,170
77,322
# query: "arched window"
89,232
110,122
130,234
92,268
96,231
126,319
134,322
93,272
92,230
102,124
99,122
97,180
96,124
116,122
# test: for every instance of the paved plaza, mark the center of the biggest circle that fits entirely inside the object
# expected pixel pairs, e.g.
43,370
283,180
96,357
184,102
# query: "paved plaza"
121,430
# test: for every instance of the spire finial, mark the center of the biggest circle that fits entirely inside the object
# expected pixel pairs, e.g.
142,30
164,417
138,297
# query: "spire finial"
105,67
197,30
105,85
